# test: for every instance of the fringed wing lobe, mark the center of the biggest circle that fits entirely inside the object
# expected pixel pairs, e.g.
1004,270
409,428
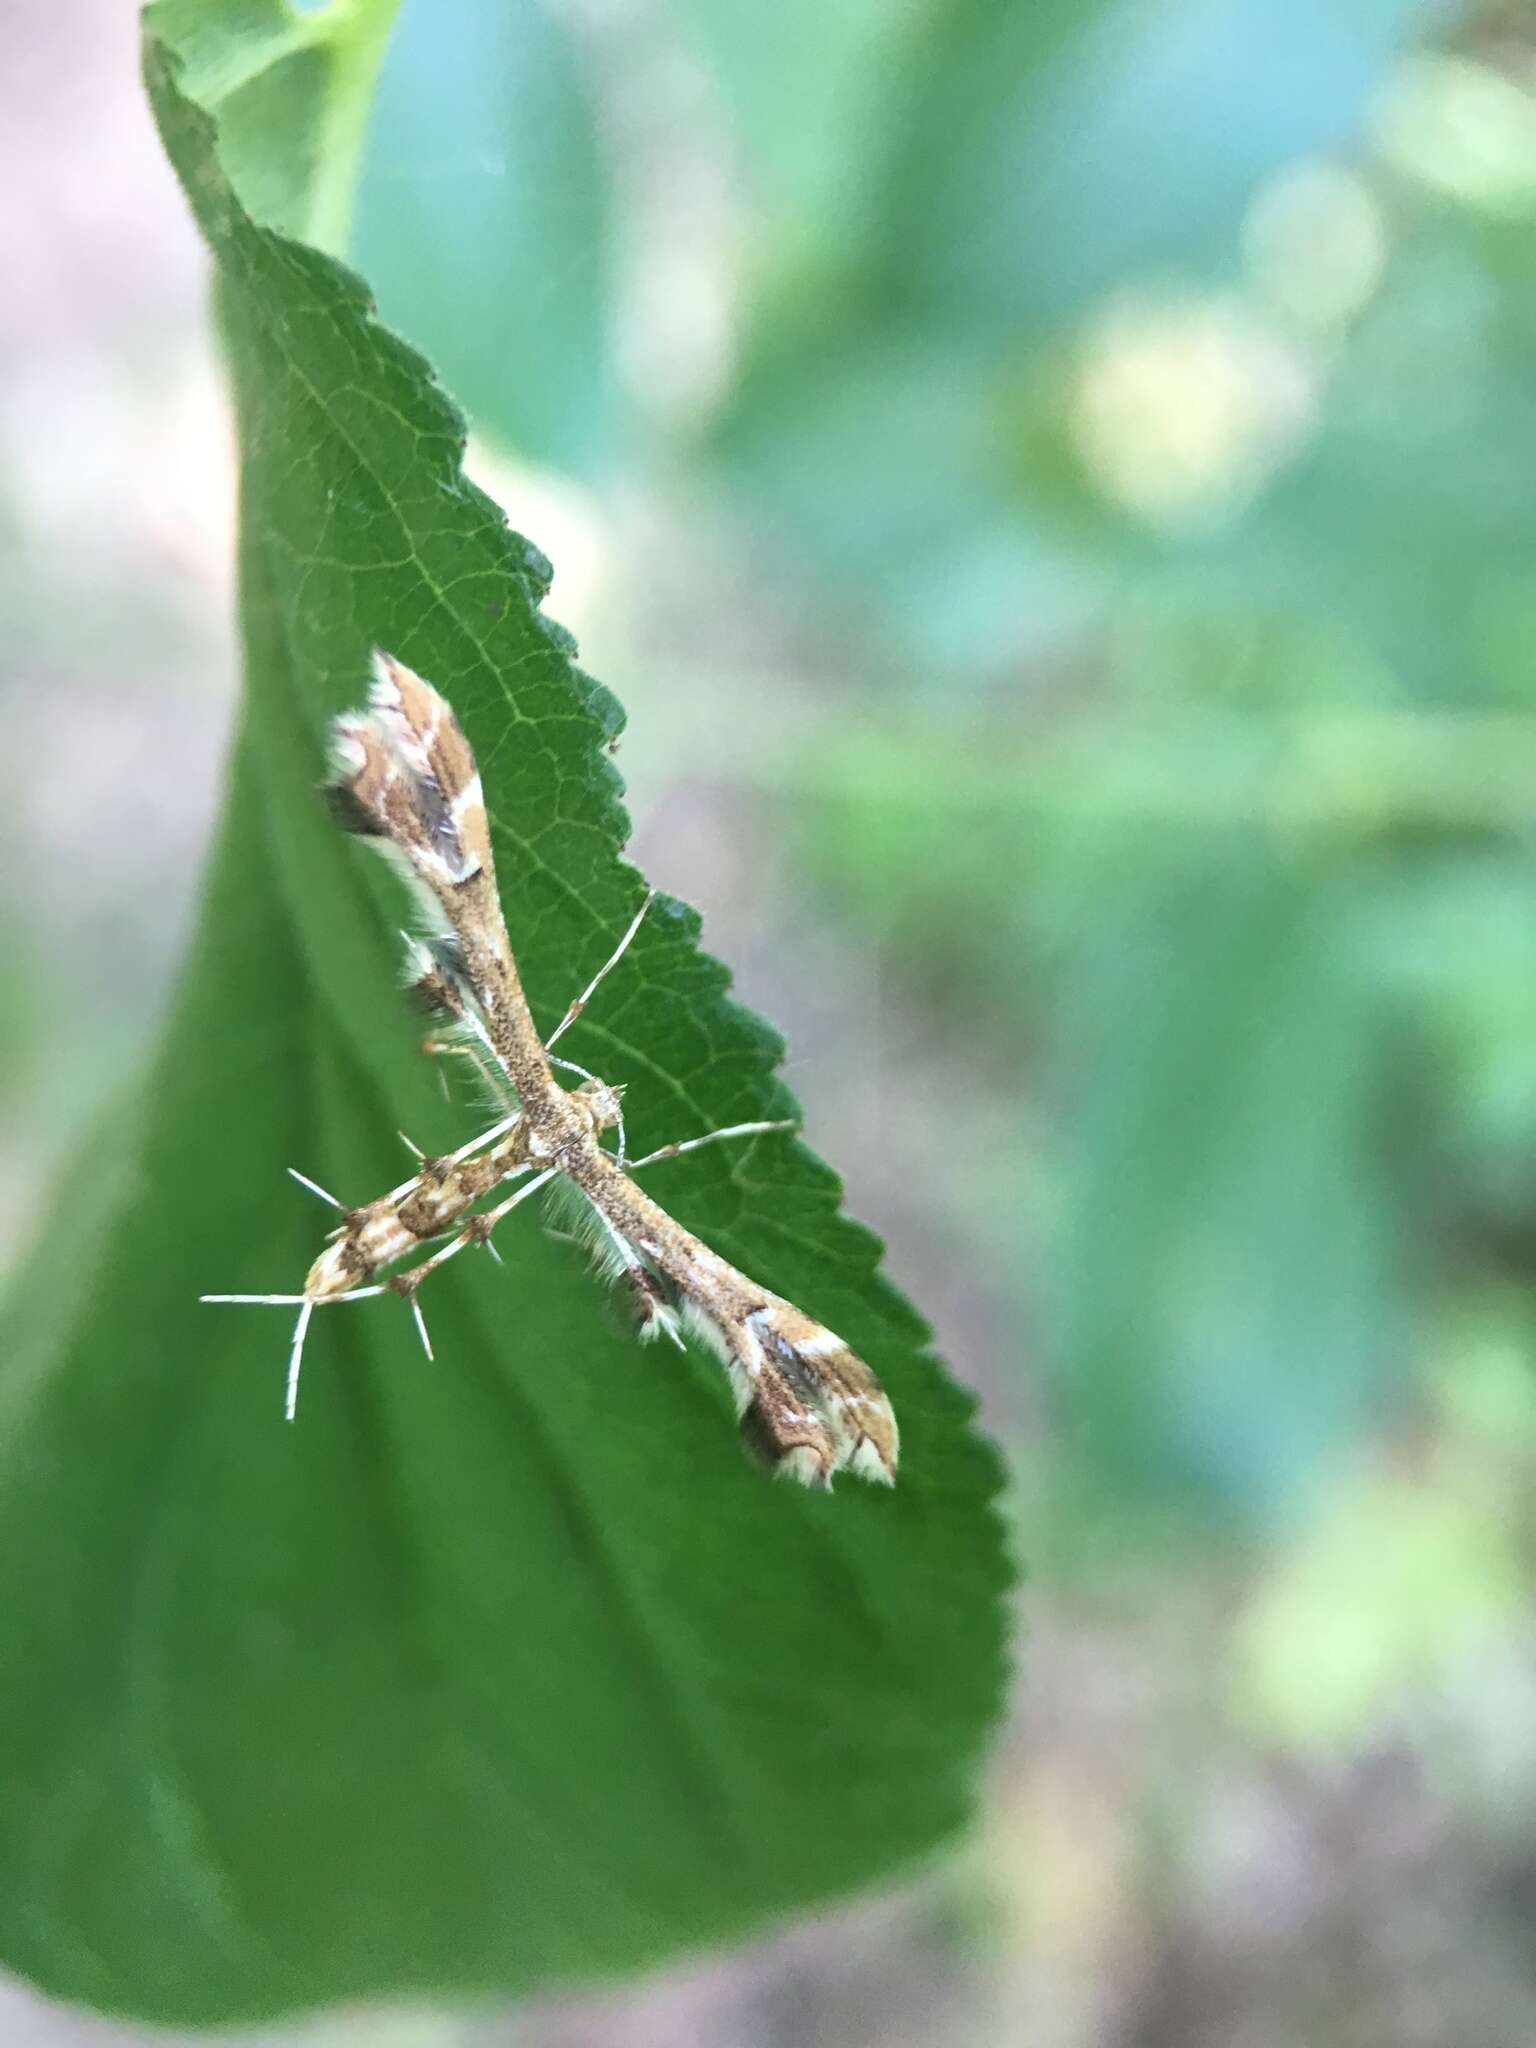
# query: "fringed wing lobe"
406,774
436,979
809,1405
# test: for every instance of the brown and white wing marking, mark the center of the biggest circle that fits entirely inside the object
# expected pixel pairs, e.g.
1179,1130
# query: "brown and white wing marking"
407,775
429,1204
808,1404
406,778
825,1378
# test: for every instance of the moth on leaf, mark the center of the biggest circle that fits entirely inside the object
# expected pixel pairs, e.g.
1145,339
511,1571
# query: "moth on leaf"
406,779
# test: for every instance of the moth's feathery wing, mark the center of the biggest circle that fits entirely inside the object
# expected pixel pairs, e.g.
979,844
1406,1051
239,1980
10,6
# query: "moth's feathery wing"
847,1393
808,1405
406,778
406,775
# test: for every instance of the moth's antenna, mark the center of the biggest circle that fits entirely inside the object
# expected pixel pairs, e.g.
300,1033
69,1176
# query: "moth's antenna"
606,969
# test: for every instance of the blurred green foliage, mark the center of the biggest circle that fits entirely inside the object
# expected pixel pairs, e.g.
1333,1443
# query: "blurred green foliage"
486,193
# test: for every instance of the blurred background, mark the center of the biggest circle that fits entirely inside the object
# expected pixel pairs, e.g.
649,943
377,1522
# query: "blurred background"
1055,487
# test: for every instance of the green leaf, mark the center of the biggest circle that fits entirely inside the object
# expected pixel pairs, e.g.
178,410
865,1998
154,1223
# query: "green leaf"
291,87
506,1669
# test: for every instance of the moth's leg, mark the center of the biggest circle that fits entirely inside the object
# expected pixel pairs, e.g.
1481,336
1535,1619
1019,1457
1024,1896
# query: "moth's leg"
443,989
307,1304
618,1244
474,1145
602,973
486,1067
711,1138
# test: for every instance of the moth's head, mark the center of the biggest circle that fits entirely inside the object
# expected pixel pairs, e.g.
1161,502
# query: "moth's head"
601,1102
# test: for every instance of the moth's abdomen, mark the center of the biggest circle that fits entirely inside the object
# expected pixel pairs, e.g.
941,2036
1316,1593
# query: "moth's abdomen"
399,1224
